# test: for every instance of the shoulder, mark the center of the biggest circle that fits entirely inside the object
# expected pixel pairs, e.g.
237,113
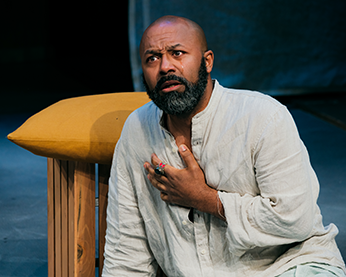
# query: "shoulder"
251,112
137,131
141,119
247,99
267,117
141,127
245,105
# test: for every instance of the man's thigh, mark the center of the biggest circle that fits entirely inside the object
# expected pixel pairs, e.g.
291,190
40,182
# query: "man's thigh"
313,269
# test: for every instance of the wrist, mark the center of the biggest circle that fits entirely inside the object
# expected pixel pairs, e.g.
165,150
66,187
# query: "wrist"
209,202
220,209
205,199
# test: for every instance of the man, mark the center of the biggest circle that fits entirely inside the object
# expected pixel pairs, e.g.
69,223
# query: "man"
209,181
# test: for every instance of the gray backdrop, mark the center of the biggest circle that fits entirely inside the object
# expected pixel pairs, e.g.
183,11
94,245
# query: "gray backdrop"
277,47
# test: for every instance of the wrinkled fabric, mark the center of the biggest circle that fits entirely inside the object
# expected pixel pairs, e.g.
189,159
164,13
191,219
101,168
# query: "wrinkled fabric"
313,270
249,149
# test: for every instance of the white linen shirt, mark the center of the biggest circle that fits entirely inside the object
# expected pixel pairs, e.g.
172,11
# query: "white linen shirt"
250,151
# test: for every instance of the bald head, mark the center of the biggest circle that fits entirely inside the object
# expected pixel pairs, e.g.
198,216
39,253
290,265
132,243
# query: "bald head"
181,24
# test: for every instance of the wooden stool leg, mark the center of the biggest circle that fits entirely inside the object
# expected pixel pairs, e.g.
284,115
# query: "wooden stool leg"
50,217
104,172
71,218
85,219
60,210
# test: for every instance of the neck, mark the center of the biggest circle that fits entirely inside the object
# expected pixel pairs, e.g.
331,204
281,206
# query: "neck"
180,127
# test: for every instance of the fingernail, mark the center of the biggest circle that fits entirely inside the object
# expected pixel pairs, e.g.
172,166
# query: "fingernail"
183,148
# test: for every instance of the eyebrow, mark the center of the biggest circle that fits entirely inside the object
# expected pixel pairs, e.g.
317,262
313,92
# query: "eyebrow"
168,48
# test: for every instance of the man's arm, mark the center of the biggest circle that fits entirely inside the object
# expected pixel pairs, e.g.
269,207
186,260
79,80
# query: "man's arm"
126,250
284,211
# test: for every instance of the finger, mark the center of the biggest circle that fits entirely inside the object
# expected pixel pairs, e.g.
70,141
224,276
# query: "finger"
155,161
150,169
156,184
164,197
147,166
153,177
187,156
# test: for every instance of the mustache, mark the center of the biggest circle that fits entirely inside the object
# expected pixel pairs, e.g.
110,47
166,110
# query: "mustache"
171,77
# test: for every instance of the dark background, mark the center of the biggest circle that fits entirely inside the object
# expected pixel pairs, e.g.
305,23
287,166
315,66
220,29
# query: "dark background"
51,50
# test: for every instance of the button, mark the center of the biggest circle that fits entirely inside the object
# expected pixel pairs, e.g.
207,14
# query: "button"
174,150
203,251
184,222
196,142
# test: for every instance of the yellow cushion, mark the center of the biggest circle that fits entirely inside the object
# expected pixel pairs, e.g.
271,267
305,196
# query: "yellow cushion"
80,129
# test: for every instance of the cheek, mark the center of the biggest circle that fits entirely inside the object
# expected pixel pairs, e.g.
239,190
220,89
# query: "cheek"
190,68
150,79
190,74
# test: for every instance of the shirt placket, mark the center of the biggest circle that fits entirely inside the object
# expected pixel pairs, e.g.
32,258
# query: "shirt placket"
196,139
200,230
202,244
170,144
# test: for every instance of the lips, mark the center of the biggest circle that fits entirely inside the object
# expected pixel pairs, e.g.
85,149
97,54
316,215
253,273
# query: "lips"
170,83
170,86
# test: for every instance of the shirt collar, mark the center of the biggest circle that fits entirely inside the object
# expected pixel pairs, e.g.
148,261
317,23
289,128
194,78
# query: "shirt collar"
212,104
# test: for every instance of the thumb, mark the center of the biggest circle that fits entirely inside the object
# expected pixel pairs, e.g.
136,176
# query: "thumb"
187,156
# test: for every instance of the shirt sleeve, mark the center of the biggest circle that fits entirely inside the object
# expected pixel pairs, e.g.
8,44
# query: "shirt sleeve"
284,210
126,250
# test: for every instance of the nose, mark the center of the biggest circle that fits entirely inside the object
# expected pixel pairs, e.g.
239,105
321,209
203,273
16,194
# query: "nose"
167,65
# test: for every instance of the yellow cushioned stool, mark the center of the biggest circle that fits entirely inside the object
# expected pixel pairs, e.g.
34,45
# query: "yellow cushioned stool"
79,129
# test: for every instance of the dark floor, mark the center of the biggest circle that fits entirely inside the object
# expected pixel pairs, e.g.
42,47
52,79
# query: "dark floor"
23,192
23,206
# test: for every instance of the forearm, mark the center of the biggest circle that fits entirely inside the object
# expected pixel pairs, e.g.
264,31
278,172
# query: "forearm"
253,221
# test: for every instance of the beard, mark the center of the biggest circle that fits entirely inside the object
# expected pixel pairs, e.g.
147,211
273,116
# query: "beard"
175,103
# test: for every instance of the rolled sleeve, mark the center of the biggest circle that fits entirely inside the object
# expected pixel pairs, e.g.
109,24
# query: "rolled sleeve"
283,212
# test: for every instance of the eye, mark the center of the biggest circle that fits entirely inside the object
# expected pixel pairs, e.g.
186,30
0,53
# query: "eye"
151,59
178,53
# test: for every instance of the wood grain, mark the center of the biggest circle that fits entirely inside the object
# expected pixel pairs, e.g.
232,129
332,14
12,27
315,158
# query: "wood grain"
84,182
104,172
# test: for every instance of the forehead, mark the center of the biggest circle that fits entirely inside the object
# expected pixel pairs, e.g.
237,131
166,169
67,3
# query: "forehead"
168,34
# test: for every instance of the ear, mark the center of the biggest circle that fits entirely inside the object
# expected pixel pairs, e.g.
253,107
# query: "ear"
209,60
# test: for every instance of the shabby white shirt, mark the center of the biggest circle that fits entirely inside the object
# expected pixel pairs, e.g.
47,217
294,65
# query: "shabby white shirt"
249,149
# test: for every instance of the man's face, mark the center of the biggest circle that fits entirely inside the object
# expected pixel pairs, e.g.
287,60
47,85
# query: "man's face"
179,103
173,66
